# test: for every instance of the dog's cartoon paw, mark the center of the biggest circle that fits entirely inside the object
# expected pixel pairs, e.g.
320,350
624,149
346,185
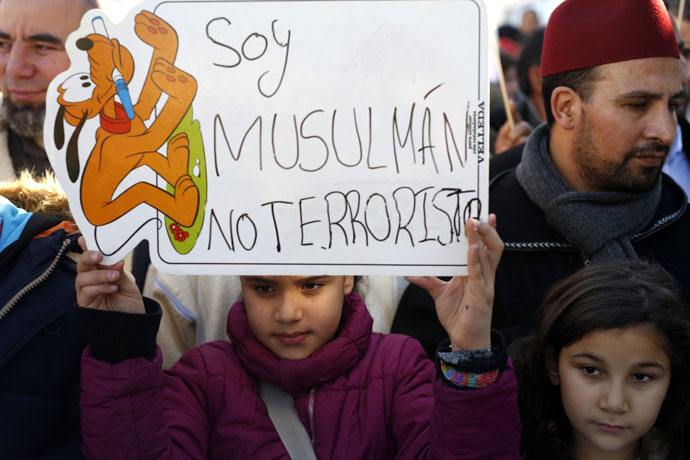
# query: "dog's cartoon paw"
173,81
180,142
178,153
186,201
155,32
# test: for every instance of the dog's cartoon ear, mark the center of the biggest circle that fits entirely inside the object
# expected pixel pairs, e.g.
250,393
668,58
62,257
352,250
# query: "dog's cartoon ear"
59,130
72,157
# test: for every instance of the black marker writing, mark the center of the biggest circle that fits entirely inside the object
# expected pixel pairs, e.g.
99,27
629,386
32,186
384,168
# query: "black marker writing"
305,141
253,48
275,222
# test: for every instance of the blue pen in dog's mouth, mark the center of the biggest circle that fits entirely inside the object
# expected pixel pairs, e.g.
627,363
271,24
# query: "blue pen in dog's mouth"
120,83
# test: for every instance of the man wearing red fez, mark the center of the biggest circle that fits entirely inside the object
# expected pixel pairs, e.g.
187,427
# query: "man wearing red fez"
589,186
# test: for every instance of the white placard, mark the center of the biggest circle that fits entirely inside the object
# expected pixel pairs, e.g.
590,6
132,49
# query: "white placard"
288,137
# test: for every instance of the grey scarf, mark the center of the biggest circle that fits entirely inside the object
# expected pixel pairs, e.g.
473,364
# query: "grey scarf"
599,224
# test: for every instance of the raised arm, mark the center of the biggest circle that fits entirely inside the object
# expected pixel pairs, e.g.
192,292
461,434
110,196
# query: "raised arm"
464,304
129,408
475,413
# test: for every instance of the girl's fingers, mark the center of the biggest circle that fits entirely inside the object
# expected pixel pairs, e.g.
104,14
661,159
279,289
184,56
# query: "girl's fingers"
485,247
485,265
431,284
474,264
92,282
117,266
493,242
94,277
489,236
472,232
88,261
89,294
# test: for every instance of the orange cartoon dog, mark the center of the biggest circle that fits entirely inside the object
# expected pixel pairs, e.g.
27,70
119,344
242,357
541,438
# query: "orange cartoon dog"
123,142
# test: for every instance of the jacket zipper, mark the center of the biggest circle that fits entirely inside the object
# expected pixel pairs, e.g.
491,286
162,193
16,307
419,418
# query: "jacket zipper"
312,394
41,278
660,223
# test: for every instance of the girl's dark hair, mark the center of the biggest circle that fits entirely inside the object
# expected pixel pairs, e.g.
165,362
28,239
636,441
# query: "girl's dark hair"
607,295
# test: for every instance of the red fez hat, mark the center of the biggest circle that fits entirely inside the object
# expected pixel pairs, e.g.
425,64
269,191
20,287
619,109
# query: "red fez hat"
586,33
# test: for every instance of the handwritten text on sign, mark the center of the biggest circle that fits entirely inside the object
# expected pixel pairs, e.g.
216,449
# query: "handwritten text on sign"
277,137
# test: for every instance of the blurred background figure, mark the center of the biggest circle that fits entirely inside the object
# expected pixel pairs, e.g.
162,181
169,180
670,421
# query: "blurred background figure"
677,163
673,7
515,23
32,53
510,73
510,40
527,105
530,21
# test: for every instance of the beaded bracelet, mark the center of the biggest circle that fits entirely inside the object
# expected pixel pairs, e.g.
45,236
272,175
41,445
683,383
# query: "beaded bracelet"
468,379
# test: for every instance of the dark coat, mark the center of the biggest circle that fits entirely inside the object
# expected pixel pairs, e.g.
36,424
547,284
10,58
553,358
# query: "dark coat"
536,257
40,345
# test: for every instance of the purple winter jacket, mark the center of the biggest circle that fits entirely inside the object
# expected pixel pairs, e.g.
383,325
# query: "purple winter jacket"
372,396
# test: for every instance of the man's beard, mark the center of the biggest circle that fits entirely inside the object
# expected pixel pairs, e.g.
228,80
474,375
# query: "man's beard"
601,174
24,118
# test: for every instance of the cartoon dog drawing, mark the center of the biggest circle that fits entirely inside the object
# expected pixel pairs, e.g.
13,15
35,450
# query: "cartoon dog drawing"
123,142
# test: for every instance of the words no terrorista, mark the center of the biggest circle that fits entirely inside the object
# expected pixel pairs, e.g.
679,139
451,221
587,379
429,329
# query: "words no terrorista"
405,217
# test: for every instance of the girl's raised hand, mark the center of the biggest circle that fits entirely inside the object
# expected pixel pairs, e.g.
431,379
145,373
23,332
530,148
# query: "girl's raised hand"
465,303
105,287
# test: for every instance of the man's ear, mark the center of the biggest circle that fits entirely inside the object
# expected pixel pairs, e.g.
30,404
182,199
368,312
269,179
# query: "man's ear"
565,106
552,366
534,77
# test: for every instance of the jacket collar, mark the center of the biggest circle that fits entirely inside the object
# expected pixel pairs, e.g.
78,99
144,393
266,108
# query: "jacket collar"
533,232
25,265
326,364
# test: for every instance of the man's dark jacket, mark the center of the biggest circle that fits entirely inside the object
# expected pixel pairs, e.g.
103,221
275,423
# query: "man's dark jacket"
40,345
536,257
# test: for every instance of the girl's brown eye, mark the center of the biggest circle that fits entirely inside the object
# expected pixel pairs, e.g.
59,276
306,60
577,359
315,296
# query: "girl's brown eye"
263,289
640,377
590,370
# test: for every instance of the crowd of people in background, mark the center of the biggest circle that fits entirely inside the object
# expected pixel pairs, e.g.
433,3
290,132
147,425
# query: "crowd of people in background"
568,339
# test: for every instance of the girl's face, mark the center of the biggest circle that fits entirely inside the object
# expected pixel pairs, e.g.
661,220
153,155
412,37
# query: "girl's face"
613,383
293,316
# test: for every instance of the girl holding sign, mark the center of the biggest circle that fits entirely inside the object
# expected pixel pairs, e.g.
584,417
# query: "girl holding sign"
308,341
